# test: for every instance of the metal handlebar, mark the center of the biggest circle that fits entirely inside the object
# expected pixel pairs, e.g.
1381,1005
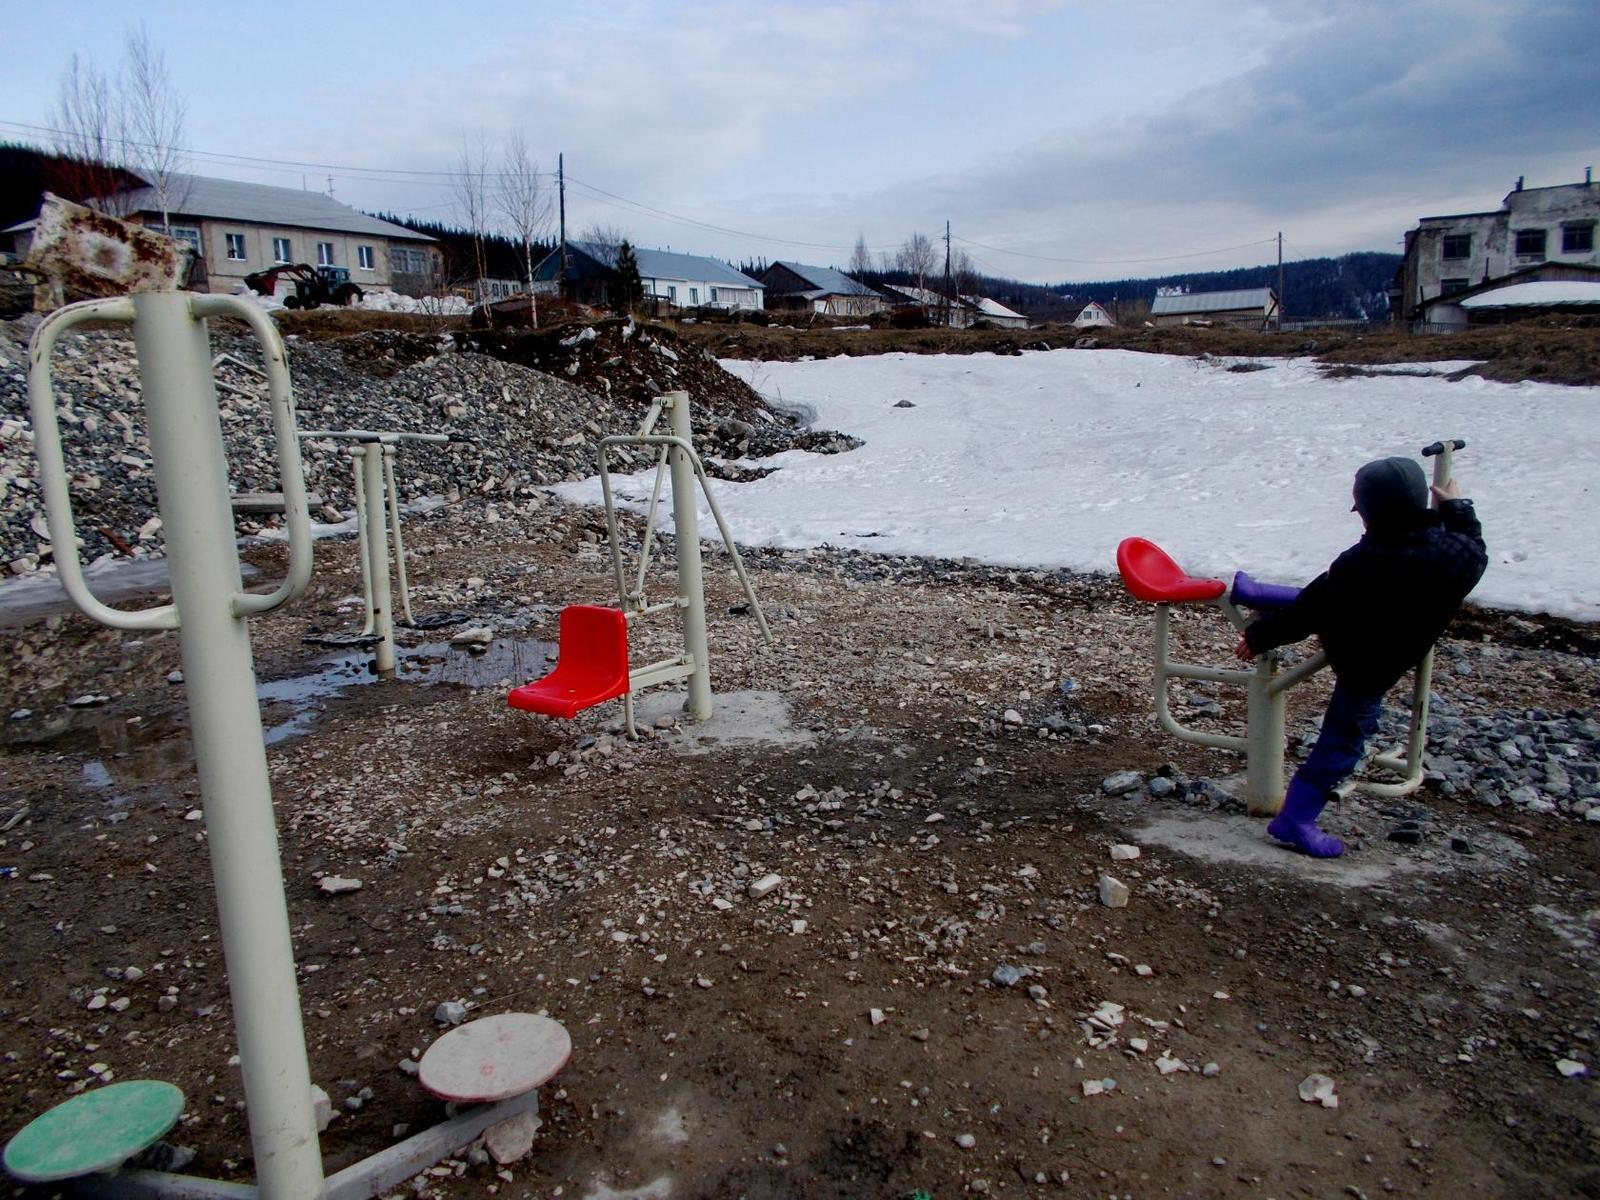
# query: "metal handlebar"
1433,448
53,467
291,474
382,437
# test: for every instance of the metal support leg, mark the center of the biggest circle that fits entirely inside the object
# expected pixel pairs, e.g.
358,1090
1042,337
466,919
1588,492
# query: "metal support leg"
691,583
378,555
399,540
357,457
191,474
1264,730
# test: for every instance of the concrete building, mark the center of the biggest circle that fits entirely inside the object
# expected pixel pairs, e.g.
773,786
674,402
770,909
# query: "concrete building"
681,280
1093,316
235,229
1248,308
1570,288
819,289
1445,255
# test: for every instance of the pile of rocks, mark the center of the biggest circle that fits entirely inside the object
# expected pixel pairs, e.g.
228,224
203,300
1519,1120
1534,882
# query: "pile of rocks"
520,427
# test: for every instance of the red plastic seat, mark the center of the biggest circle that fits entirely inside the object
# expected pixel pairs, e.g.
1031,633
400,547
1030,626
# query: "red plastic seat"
591,668
1150,574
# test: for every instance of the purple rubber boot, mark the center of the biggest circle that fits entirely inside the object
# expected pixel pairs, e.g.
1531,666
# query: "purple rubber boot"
1296,824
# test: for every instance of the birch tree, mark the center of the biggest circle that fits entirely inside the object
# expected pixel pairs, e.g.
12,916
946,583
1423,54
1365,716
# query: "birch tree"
471,185
524,203
89,136
155,116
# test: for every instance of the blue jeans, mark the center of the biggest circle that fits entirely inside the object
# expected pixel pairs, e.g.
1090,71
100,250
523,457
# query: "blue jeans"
1350,720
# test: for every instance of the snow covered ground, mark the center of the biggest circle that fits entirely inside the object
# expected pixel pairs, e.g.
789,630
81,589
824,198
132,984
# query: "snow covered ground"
1050,459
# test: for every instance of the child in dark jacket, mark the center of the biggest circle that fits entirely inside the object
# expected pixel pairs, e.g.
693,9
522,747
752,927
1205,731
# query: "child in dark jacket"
1378,609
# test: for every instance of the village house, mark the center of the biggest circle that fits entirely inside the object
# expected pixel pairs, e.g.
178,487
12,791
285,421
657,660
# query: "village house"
819,289
236,229
959,313
1447,255
681,280
1093,316
1248,308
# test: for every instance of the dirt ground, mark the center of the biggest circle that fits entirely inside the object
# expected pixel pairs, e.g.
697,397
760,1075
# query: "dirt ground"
846,1035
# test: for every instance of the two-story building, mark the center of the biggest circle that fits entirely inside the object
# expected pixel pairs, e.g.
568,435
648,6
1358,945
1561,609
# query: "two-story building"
1445,255
235,229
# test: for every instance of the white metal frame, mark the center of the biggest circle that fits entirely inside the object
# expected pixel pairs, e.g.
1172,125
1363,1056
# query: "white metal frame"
378,513
676,454
209,610
1265,740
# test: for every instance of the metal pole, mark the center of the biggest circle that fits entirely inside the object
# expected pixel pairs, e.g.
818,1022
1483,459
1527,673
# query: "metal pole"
399,538
378,554
190,468
691,582
1264,731
357,457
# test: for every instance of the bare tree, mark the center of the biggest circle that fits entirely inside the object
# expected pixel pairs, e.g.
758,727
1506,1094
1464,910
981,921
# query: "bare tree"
524,203
604,235
963,273
860,257
89,137
916,258
155,115
471,186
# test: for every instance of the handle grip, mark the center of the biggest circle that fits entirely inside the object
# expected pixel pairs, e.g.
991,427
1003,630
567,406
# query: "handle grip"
53,467
291,476
1433,448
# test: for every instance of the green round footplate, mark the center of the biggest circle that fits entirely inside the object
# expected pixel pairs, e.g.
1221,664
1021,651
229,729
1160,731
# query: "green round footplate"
96,1131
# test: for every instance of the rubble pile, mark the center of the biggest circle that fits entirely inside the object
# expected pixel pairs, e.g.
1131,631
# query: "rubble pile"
522,424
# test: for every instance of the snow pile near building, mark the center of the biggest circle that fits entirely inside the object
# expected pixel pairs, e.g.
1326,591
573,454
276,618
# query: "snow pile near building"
433,306
1050,459
1536,294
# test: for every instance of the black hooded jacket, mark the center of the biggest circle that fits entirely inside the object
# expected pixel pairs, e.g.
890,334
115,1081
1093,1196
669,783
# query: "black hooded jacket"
1384,602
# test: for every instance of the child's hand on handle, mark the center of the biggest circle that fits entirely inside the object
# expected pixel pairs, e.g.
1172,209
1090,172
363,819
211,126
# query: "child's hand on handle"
1450,491
1242,651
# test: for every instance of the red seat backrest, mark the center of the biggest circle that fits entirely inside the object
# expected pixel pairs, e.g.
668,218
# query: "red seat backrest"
1150,574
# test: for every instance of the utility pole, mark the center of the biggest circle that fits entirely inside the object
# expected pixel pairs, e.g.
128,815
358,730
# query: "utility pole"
330,186
949,312
561,188
1280,281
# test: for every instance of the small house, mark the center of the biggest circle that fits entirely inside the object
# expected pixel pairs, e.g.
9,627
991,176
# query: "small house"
1248,308
819,289
1093,316
680,280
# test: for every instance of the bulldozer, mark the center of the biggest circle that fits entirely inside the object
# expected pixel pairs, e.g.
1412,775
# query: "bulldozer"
313,286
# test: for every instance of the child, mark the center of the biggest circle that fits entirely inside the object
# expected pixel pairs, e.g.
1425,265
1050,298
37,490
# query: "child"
1378,609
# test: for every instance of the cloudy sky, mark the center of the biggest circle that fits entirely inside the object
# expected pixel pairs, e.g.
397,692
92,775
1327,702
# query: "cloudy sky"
1062,139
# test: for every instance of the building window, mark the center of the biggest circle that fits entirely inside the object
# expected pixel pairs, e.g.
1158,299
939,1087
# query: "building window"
186,234
1449,287
324,254
672,293
1530,243
235,247
713,295
694,296
1458,245
364,257
282,251
1578,238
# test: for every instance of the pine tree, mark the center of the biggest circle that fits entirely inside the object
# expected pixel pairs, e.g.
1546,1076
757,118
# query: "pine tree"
627,289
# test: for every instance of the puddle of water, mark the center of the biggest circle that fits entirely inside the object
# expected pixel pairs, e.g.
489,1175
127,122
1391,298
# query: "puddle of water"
430,664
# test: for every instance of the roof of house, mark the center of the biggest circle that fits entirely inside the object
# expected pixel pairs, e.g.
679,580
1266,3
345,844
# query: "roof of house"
262,204
993,308
664,264
915,294
1535,294
826,281
1204,302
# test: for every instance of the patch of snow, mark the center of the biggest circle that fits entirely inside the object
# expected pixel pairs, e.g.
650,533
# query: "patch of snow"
1049,460
1539,292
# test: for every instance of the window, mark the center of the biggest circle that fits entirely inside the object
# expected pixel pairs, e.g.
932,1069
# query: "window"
672,293
282,251
1449,287
364,257
1578,238
1530,243
713,295
324,254
1458,245
235,247
187,234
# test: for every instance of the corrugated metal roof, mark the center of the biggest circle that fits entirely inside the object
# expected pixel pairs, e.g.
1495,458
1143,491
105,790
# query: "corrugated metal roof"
826,280
261,204
664,264
1204,302
1534,294
993,308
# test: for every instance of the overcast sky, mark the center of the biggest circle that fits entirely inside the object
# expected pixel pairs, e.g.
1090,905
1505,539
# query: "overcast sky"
1062,139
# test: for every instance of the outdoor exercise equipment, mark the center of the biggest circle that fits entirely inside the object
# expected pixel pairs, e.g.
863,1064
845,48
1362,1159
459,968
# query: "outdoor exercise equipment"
210,610
592,662
1151,575
377,514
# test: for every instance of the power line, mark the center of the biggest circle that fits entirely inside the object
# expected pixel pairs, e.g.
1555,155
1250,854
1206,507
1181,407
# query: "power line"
1111,262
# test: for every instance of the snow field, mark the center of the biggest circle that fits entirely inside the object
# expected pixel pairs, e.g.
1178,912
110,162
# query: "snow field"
1050,459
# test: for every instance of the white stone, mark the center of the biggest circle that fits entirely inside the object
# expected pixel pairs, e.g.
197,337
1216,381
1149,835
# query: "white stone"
480,635
337,885
1113,892
510,1140
764,886
1318,1089
1012,717
1571,1068
721,905
1123,852
321,1108
876,1016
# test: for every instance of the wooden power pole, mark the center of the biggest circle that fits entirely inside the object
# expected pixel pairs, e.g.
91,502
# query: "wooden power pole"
561,189
1280,281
